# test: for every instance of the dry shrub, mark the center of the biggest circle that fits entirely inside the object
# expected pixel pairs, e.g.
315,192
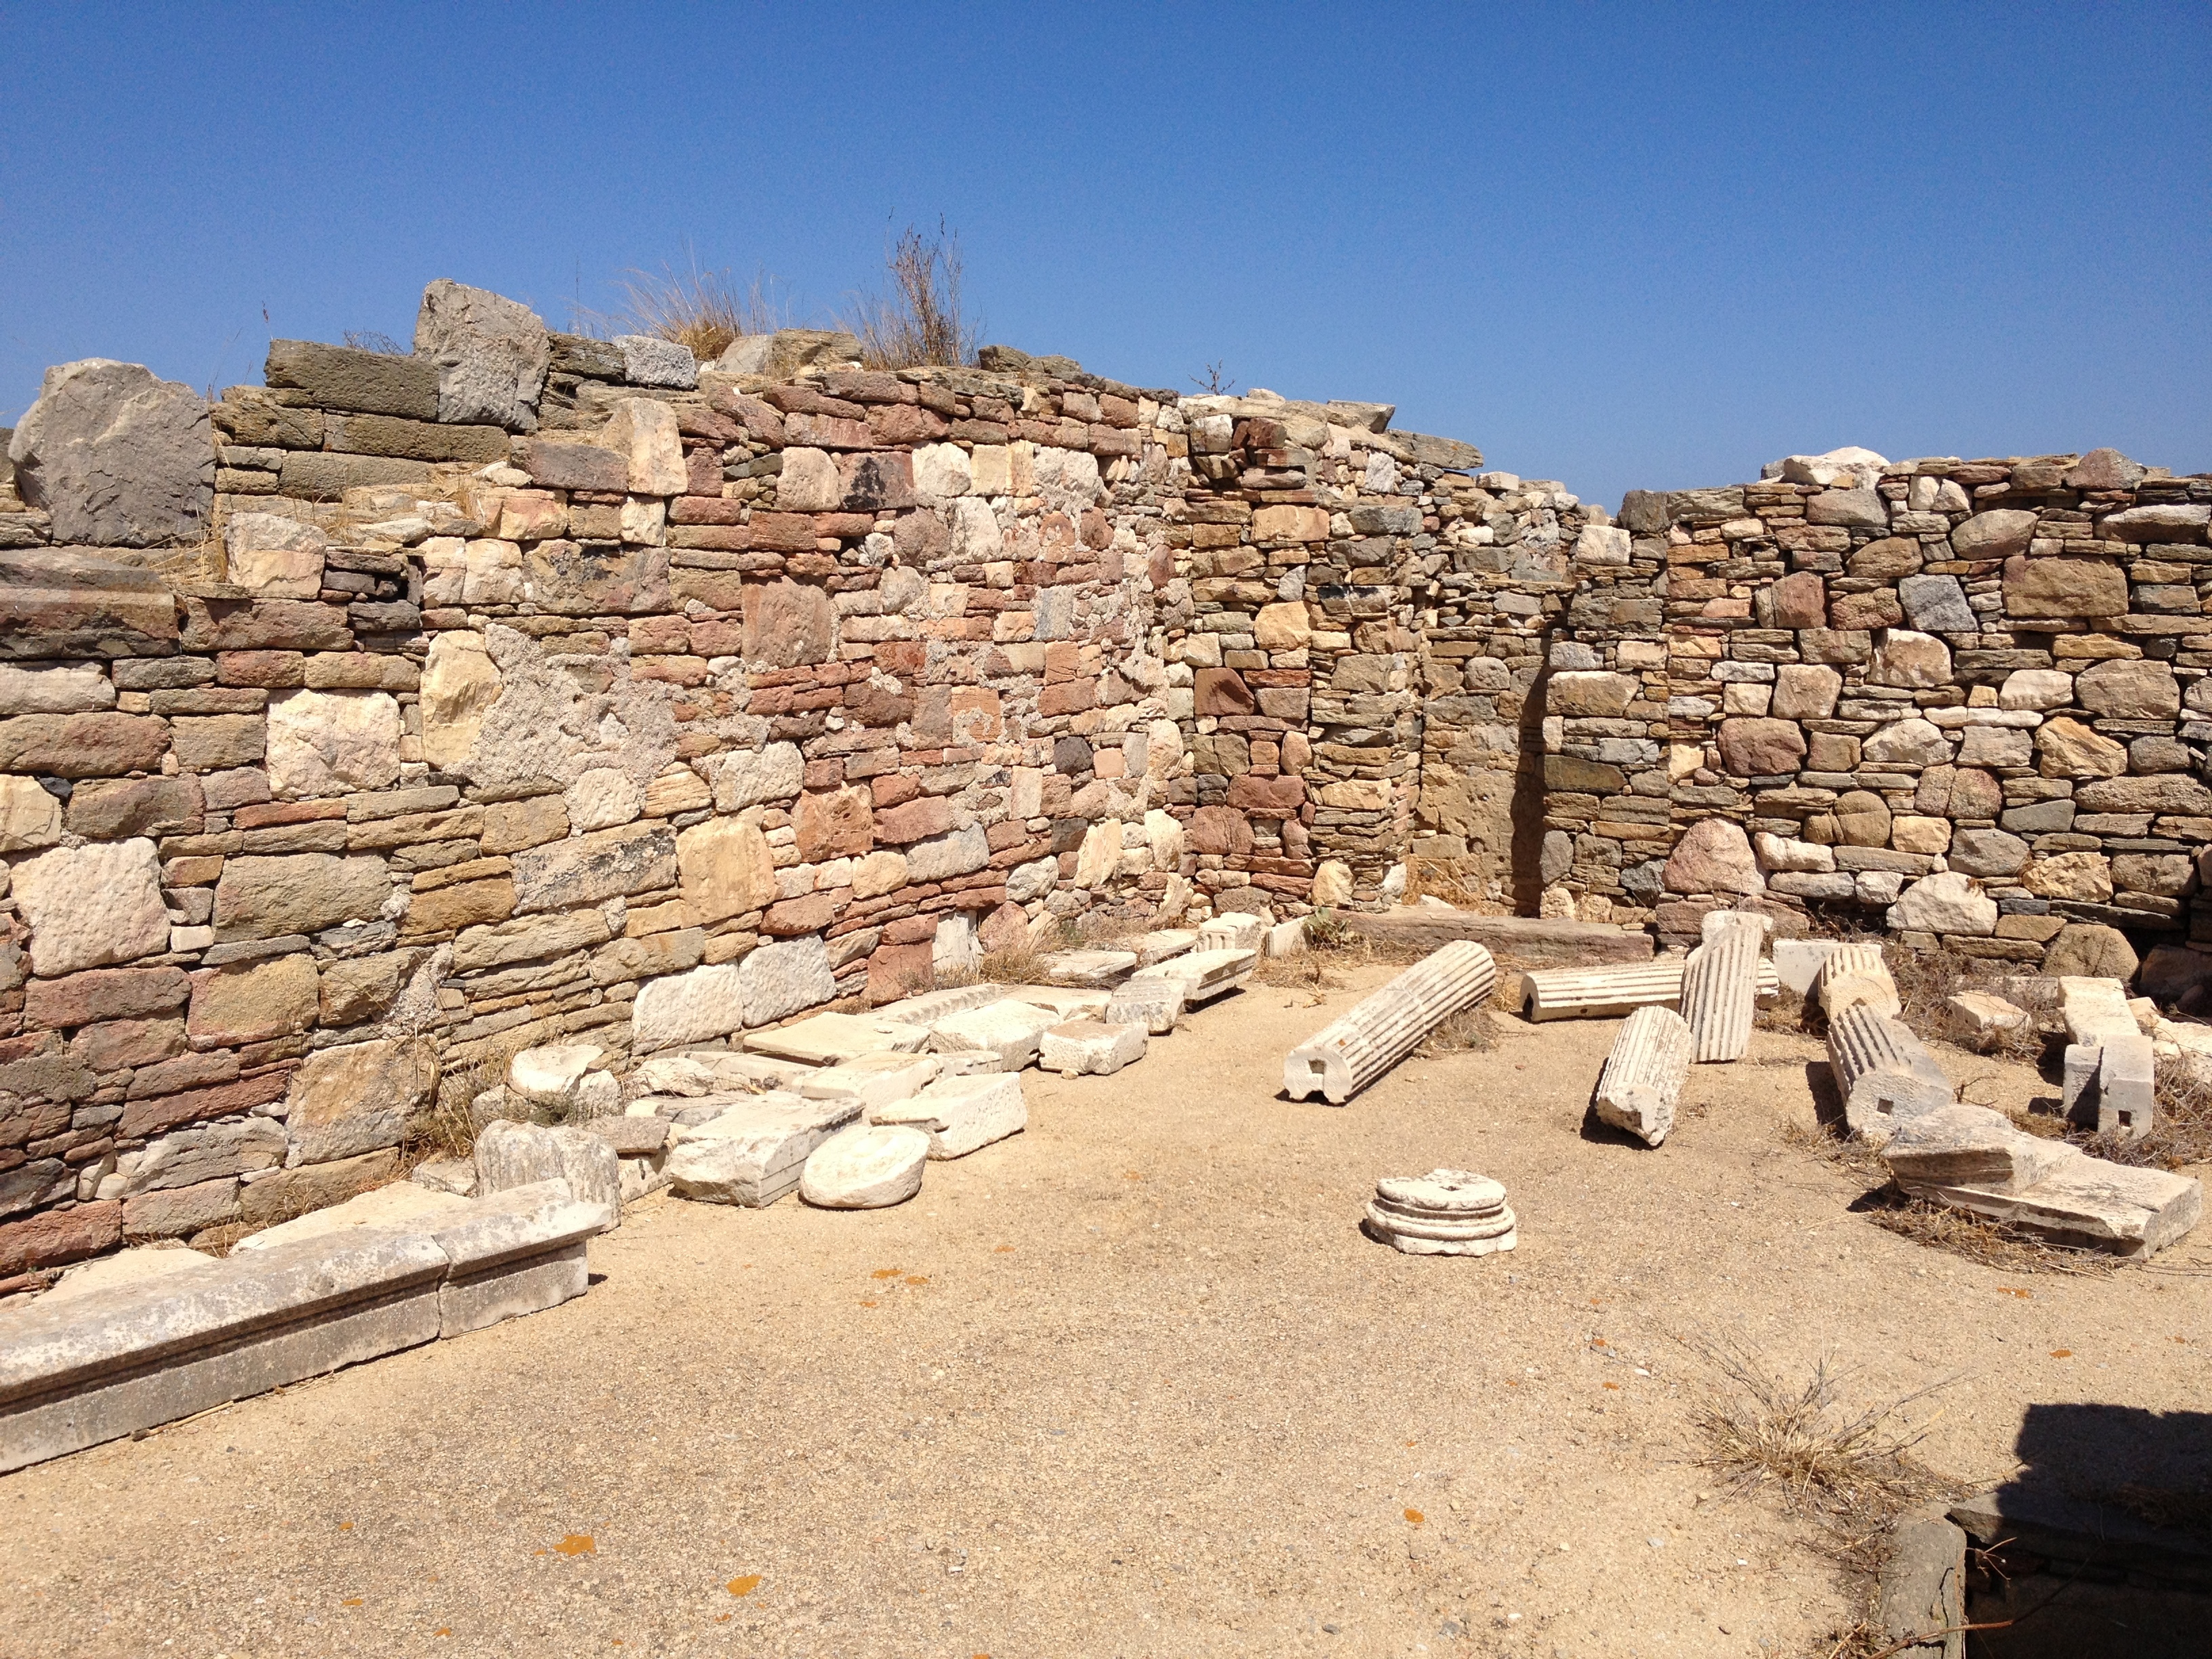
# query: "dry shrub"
368,339
1309,971
1977,1238
1835,1149
1853,1471
704,310
1014,964
449,1128
1434,878
921,321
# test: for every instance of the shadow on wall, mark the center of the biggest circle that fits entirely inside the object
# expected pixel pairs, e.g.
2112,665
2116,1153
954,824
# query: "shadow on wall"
1525,877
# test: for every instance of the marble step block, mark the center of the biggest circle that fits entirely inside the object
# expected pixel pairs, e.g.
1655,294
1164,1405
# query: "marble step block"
1358,1046
1642,1082
751,1150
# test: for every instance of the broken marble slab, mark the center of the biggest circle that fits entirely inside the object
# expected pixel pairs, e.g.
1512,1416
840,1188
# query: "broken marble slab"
710,1072
1443,1213
1011,1031
826,1039
867,1167
1285,939
961,1114
2111,1087
1091,1047
2095,1008
1234,931
1154,1003
2092,1204
522,1154
1962,1146
1642,1081
516,1252
1163,942
1098,969
1986,1017
401,1204
874,1080
549,1075
1067,1001
751,1151
1204,973
930,1007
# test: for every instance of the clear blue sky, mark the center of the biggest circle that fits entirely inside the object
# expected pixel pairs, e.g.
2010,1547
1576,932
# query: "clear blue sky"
1625,246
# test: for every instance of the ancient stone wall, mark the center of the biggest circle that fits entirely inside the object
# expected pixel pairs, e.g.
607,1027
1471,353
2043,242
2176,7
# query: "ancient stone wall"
373,722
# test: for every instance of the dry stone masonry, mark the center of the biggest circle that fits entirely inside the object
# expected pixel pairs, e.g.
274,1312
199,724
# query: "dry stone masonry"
367,726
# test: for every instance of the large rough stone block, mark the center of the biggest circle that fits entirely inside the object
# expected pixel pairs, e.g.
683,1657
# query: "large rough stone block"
347,1101
30,818
644,429
116,457
100,745
269,897
573,580
1713,856
347,377
254,1002
676,1009
332,742
522,1154
780,980
92,905
491,355
724,868
788,624
589,869
277,557
68,601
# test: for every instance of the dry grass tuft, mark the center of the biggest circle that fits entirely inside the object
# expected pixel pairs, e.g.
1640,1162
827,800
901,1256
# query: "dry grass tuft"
921,320
1977,1238
1854,1471
369,339
1016,964
1434,878
1470,1030
1836,1151
449,1128
704,310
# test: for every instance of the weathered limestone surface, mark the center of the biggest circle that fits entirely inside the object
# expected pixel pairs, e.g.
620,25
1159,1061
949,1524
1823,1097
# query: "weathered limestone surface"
1352,1050
1641,1084
1090,1046
1856,973
115,457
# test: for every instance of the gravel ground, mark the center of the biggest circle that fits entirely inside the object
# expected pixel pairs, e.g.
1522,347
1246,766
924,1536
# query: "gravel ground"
1131,1384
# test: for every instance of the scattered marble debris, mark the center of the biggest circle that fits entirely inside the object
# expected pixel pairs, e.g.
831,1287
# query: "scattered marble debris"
1987,1016
873,1079
872,1167
1235,931
1358,1046
1443,1213
1204,973
1067,1001
1642,1082
1091,1047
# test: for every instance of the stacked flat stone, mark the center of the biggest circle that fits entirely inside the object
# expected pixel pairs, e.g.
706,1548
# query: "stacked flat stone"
1352,1050
1642,1081
1443,1213
1610,993
1856,974
1882,1072
1720,985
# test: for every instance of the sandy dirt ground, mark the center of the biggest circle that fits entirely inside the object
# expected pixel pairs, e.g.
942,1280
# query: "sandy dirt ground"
1132,1383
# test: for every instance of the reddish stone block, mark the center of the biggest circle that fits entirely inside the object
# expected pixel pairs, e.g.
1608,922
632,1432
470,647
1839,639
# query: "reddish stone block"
705,509
83,746
152,1117
808,914
59,1237
118,1043
894,788
670,671
1800,600
702,470
1221,691
900,425
916,820
1266,798
843,526
272,669
104,994
783,532
829,432
1071,698
911,930
835,823
659,636
1220,829
900,970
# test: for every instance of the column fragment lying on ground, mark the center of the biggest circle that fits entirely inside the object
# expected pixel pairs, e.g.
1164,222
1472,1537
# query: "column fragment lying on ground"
1350,1052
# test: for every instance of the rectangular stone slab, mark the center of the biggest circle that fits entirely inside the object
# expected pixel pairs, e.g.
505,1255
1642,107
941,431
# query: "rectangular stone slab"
874,1080
1011,1031
1087,967
139,1355
1064,1000
1539,941
826,1039
961,1114
931,1007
